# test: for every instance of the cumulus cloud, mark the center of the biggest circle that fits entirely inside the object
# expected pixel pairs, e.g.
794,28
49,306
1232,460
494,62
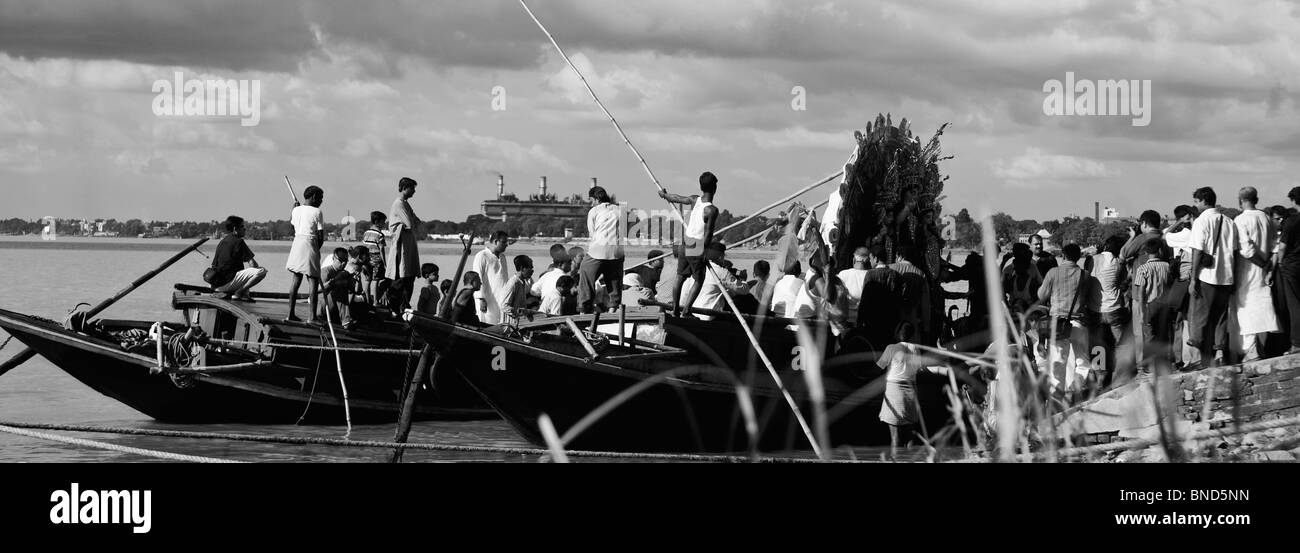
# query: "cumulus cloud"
356,94
1037,168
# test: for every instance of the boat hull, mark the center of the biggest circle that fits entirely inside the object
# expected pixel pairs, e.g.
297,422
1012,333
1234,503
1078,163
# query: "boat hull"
682,404
274,394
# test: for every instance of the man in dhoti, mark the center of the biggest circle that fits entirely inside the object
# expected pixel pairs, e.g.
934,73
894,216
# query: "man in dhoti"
1253,304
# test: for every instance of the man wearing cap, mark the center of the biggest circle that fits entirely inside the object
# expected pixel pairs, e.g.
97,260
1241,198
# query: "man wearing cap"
603,264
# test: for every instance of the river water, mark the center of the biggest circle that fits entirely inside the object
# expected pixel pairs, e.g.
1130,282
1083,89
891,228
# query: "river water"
47,278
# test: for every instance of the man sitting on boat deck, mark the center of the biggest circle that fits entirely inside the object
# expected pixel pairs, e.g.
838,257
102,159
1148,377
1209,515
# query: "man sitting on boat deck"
634,291
230,278
718,280
517,291
786,291
544,286
649,273
337,284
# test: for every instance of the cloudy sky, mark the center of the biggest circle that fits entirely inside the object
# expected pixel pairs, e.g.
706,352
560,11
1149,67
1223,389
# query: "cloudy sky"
355,95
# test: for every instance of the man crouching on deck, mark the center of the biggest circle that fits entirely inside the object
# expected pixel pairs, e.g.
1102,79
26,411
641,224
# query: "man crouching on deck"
697,234
229,277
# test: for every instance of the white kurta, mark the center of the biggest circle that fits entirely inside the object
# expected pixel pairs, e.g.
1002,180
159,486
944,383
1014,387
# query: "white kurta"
1253,302
494,273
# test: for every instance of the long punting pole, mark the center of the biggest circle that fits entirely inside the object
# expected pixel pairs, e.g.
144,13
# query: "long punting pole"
794,407
27,353
765,209
729,244
618,127
290,187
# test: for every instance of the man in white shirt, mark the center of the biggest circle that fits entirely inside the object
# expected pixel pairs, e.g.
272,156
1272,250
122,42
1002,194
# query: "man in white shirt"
544,285
854,279
1253,305
786,291
490,265
718,280
605,227
1212,243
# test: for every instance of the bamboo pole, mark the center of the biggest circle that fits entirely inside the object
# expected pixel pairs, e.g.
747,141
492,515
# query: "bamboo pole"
338,364
577,333
444,307
777,203
291,192
618,127
427,356
728,245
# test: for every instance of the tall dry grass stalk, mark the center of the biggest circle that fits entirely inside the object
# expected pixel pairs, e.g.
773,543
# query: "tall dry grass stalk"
1008,407
812,372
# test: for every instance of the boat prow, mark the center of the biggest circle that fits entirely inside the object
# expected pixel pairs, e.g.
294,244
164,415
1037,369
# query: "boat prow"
240,362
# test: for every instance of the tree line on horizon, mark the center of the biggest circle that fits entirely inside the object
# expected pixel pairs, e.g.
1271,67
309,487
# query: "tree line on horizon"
476,225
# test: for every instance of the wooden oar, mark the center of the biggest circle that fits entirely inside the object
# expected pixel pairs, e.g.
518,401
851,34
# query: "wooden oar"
28,353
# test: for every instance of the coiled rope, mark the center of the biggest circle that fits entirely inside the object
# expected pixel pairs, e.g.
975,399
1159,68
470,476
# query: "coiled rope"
312,440
14,429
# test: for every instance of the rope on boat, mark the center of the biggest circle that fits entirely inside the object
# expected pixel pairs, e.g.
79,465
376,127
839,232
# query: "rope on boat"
2,346
393,351
311,440
15,429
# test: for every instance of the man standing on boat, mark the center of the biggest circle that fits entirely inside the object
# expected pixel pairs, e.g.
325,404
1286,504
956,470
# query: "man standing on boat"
490,265
697,234
230,278
604,252
404,258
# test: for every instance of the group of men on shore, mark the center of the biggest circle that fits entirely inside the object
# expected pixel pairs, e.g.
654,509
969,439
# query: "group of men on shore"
1198,281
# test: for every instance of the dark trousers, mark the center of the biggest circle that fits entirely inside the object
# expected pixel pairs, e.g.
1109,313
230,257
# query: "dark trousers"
1163,315
1120,359
1207,319
1288,279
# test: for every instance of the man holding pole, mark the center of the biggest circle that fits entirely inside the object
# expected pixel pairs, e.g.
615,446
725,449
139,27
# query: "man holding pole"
697,234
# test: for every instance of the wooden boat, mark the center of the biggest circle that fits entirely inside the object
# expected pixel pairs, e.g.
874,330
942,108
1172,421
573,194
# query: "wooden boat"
677,380
247,365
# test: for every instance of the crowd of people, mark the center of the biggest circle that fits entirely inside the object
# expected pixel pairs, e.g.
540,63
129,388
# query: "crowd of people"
1210,287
